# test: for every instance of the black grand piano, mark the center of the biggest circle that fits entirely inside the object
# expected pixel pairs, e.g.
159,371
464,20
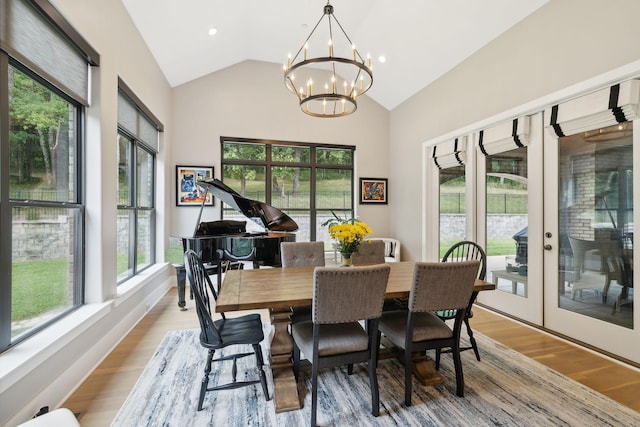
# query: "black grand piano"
218,242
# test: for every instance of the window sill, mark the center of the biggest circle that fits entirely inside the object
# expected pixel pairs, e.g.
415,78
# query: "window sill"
18,361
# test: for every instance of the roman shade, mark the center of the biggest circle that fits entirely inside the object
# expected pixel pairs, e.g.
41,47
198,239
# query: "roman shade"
599,109
34,32
505,136
136,119
451,153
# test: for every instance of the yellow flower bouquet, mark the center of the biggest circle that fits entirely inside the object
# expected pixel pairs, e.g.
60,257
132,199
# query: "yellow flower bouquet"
348,233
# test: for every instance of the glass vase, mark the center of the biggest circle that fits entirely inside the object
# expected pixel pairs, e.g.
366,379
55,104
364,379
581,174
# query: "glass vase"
346,262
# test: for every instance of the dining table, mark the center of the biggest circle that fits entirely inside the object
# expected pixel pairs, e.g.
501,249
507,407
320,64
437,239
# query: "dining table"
278,290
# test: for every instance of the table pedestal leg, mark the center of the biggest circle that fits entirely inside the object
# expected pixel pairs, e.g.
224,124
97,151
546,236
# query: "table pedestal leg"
423,366
425,370
285,391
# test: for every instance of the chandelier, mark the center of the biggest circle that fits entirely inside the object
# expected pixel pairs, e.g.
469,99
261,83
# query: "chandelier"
347,74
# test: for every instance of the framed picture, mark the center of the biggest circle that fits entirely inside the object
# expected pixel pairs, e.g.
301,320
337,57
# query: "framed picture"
187,192
374,190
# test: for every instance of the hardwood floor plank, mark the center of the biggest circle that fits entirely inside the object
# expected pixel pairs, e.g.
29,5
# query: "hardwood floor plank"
613,379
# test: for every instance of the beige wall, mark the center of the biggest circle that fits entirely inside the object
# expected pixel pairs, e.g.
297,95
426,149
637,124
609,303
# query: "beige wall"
249,100
562,44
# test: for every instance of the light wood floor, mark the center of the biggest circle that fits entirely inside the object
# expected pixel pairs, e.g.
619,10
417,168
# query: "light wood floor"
98,399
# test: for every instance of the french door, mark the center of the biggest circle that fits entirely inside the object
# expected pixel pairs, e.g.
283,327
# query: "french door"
589,222
550,196
509,188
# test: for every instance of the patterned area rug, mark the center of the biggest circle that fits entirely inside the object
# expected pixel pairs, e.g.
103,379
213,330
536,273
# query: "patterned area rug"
504,389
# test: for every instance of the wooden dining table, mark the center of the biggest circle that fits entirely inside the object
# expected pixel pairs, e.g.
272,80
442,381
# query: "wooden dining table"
279,289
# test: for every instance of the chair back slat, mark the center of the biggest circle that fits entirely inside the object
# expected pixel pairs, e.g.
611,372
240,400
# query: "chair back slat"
468,250
204,295
336,289
442,285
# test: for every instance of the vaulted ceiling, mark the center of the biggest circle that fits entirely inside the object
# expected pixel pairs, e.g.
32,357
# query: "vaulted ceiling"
420,39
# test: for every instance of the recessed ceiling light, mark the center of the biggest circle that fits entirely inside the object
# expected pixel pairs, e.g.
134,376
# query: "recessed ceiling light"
382,59
212,31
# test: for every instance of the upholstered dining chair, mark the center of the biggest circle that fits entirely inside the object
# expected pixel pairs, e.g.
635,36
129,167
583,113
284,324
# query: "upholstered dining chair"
301,254
436,286
464,251
341,298
369,252
224,332
392,252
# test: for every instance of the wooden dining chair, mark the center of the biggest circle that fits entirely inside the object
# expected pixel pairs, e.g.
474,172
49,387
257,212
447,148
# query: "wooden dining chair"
301,254
464,251
224,332
436,286
341,298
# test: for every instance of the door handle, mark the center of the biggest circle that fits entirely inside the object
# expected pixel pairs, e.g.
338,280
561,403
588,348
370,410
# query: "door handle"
547,247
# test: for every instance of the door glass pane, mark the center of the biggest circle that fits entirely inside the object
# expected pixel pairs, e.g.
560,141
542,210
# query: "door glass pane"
452,207
507,221
596,224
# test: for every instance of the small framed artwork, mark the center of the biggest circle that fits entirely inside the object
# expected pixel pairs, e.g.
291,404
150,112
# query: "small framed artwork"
187,192
374,190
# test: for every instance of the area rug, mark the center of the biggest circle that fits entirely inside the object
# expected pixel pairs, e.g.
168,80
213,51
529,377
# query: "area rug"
505,389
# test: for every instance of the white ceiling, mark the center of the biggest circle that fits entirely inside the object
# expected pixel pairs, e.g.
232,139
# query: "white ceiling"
421,39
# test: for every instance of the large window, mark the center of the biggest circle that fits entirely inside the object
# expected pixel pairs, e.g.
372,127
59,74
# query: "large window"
137,145
306,181
43,91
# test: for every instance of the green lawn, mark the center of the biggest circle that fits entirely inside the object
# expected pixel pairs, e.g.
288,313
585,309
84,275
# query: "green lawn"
33,280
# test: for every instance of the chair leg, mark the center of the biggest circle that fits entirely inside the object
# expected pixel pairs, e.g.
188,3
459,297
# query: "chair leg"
349,368
263,377
407,377
438,352
373,383
458,368
472,340
314,393
205,379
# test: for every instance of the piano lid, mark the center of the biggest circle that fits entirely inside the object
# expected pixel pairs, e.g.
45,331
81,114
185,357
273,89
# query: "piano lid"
265,215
